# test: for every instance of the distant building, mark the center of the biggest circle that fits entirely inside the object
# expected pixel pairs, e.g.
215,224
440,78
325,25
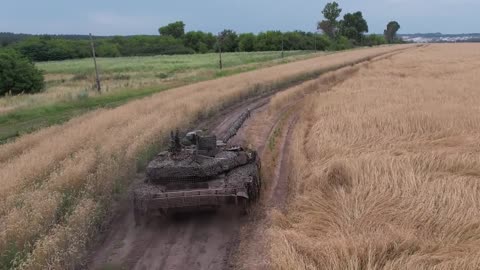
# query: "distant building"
440,38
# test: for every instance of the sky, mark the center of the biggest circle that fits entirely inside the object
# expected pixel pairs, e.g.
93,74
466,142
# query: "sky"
120,17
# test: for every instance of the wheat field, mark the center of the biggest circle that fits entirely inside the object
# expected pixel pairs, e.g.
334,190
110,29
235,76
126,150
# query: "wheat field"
57,184
386,168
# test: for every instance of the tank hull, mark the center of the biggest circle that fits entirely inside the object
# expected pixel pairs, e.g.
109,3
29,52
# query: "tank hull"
238,187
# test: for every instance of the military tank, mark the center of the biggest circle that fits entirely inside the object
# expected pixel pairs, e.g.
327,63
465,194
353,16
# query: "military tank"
198,172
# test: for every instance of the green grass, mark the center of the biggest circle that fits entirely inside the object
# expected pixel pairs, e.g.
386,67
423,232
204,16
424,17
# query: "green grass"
26,120
129,78
166,64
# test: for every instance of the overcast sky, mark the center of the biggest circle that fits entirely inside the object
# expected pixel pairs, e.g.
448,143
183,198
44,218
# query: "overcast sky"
120,17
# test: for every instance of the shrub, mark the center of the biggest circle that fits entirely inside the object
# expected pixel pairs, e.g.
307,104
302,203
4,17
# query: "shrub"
46,48
341,43
18,74
323,42
374,40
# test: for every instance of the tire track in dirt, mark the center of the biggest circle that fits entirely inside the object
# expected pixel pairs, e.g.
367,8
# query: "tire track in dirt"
280,191
252,253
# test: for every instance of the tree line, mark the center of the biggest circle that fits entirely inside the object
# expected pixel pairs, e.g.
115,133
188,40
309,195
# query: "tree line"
173,39
353,27
50,48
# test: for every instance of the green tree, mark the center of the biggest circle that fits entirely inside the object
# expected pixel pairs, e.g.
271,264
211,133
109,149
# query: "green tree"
391,31
194,40
176,30
228,40
200,41
18,74
153,45
341,43
353,26
327,28
331,12
295,40
107,49
246,42
323,42
46,48
269,41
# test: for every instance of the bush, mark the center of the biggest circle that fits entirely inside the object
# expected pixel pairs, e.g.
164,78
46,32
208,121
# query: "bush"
341,43
374,40
323,42
246,42
199,41
18,74
46,48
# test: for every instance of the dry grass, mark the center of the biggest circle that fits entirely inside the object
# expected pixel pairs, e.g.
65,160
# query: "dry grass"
57,184
386,169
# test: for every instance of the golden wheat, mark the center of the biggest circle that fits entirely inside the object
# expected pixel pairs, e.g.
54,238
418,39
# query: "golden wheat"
56,184
386,169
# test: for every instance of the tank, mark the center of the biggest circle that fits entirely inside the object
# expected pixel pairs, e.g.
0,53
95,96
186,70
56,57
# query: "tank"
198,172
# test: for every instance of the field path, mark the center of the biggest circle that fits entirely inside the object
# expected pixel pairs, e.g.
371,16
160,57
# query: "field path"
199,241
210,240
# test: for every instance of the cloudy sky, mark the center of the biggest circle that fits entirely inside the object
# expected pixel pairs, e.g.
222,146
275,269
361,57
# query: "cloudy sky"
120,17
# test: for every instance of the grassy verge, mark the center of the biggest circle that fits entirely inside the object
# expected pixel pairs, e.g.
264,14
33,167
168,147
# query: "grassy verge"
27,120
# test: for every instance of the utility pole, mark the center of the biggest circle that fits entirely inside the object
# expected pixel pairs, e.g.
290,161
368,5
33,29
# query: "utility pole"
220,50
99,89
315,40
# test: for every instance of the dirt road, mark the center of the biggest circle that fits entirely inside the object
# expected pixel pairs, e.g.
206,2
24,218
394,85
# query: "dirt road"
208,240
189,241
